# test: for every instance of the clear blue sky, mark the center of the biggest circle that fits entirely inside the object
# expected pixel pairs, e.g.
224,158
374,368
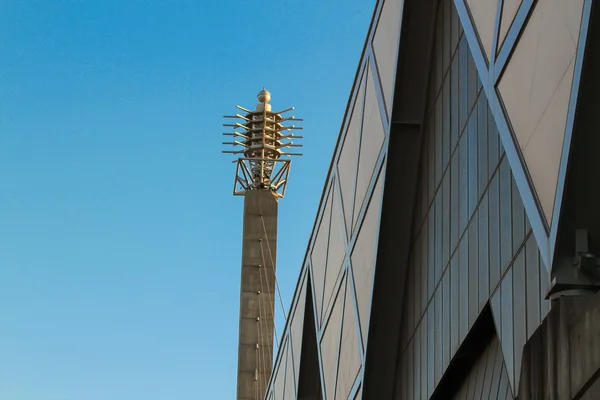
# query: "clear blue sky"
119,237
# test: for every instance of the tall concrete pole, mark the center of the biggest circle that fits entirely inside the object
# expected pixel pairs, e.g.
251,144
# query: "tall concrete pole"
261,177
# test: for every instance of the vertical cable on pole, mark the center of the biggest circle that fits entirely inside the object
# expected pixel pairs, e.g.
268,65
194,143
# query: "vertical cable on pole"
273,267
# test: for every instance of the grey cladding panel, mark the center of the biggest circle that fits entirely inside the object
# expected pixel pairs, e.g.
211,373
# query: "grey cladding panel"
473,270
439,166
447,34
424,356
424,186
372,139
455,28
463,266
319,256
494,231
463,196
518,216
330,343
431,253
439,332
408,306
417,364
487,379
430,350
363,257
493,145
425,196
454,115
454,304
348,160
446,317
507,332
463,104
349,357
439,48
520,312
446,219
505,183
336,250
454,203
473,84
482,143
429,132
439,230
472,162
416,282
446,122
424,269
484,262
385,46
410,371
532,270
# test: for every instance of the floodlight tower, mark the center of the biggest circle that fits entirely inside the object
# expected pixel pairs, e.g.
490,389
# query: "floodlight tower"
262,172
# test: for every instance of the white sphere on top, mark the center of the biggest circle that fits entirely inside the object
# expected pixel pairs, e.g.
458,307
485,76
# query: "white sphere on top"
264,96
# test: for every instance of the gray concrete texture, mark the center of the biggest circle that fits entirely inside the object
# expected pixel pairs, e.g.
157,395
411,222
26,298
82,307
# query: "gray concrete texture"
562,358
257,294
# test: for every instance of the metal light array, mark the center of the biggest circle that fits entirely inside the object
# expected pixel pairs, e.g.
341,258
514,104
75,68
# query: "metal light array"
264,141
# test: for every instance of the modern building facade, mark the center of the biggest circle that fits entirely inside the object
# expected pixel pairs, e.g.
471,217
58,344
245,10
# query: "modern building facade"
454,250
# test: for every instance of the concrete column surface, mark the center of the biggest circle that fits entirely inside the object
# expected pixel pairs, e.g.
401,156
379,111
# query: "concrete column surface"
257,294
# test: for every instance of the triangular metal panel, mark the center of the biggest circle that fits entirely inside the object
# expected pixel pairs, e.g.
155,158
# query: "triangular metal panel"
483,13
385,47
358,395
488,378
502,311
348,160
363,257
535,89
309,339
337,248
509,12
279,384
350,357
319,256
544,224
372,140
330,343
290,379
297,328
